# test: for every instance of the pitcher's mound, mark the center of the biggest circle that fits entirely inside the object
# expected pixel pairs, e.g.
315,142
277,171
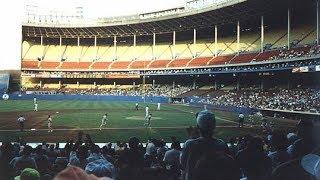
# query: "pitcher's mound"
141,118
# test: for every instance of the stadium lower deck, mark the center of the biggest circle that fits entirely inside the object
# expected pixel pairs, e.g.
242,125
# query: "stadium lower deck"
72,116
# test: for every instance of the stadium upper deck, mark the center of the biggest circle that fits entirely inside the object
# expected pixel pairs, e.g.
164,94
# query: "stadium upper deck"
233,32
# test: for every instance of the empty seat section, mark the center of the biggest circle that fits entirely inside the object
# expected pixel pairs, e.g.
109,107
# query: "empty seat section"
29,64
201,61
120,65
49,65
244,58
267,55
179,63
220,60
75,65
100,65
159,64
139,64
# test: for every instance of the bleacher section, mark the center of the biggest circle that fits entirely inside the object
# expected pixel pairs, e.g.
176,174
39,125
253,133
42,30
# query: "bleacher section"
183,54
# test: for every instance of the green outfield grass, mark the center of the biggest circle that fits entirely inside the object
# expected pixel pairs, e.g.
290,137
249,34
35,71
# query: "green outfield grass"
124,121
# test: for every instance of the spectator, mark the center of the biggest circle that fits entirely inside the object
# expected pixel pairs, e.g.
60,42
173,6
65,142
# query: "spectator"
279,144
101,168
23,161
75,173
306,164
305,142
195,148
28,174
253,161
42,160
216,166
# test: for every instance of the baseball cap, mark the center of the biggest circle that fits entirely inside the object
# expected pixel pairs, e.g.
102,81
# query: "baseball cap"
311,164
100,168
28,173
206,120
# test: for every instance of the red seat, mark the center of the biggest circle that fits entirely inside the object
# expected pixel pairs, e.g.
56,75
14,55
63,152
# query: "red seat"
179,63
159,64
220,60
244,58
266,55
29,64
100,65
120,65
75,65
200,61
49,65
139,64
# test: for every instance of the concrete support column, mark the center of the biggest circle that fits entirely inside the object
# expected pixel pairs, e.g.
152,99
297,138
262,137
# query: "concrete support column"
154,46
288,36
78,41
60,41
194,36
41,40
134,40
317,24
238,36
115,47
262,34
215,41
95,41
174,44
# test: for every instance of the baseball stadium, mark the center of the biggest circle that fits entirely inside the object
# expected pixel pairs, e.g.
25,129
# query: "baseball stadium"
180,62
253,65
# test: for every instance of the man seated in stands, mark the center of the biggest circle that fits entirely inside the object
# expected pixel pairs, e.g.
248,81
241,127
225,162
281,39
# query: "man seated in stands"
195,148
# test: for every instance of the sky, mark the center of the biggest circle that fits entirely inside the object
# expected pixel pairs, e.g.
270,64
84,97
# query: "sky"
12,14
107,8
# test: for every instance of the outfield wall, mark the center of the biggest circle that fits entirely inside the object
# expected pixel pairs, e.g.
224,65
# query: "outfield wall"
150,99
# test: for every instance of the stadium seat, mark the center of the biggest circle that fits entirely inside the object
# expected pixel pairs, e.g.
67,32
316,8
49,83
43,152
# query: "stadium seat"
139,64
75,65
100,65
28,64
159,64
243,58
49,65
220,60
200,61
178,63
119,65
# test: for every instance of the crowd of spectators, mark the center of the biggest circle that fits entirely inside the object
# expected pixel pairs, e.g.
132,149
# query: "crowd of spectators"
157,90
276,156
298,99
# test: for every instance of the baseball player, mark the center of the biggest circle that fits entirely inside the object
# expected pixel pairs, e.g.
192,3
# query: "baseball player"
148,120
35,107
103,121
49,123
21,120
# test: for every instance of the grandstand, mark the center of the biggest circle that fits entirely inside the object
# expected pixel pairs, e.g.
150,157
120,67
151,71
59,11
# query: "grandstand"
120,95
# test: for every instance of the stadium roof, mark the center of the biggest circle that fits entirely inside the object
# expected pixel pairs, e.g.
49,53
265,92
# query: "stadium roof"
208,17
